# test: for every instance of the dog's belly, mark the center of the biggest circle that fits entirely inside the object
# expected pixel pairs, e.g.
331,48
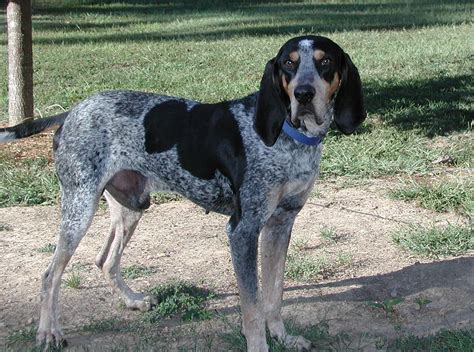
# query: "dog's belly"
213,195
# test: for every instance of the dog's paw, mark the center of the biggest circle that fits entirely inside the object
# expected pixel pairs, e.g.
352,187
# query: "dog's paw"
141,302
299,342
150,302
50,340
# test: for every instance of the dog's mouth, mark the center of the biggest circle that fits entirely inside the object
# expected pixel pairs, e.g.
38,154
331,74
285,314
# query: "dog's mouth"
305,112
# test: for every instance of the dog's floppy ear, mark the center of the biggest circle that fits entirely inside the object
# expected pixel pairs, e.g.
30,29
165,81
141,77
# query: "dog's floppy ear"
271,109
349,111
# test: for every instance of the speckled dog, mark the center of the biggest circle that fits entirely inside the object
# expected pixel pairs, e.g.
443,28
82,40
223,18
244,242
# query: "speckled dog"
255,159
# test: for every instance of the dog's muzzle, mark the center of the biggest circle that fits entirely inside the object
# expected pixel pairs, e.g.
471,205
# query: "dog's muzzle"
304,93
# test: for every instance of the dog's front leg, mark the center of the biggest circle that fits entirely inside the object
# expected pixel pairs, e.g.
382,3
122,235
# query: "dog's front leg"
243,240
275,239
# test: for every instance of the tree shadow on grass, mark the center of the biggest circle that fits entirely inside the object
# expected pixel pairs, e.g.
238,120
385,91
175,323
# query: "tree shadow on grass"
433,107
220,20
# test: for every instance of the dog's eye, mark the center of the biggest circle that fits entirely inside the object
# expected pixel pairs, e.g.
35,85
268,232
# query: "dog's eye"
289,63
326,61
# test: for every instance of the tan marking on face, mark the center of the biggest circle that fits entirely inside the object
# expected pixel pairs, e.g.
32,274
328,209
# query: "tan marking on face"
291,95
319,54
332,87
284,83
294,56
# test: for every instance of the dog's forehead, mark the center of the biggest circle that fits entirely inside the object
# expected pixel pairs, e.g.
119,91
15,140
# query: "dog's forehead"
306,44
300,46
309,45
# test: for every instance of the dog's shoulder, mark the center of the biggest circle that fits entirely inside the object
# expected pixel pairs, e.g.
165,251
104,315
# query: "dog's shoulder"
207,137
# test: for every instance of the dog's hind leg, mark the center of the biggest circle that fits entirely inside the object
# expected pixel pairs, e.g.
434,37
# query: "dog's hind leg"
77,209
275,239
123,222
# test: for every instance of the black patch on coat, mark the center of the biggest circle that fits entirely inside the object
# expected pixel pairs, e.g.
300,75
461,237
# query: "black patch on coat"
207,139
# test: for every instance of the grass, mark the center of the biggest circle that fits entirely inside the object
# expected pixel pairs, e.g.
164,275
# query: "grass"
436,241
328,234
440,196
5,227
22,336
318,334
47,248
388,305
73,281
197,50
445,340
387,151
31,182
135,271
180,298
164,197
422,302
306,267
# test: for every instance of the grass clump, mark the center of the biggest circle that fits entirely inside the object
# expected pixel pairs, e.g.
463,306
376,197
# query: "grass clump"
422,302
301,267
164,197
47,248
318,334
5,227
433,242
388,305
31,182
73,281
328,234
179,298
135,271
445,340
21,336
438,196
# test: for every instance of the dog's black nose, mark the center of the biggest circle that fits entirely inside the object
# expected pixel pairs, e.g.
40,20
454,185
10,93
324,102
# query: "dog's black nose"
304,94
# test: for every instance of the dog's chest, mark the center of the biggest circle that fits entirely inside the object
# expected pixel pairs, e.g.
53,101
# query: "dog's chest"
302,169
299,164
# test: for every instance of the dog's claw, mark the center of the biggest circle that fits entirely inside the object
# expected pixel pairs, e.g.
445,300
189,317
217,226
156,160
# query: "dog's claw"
142,302
300,343
51,340
148,303
152,299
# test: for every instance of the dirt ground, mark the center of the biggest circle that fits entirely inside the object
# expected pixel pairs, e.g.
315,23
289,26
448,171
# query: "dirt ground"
179,241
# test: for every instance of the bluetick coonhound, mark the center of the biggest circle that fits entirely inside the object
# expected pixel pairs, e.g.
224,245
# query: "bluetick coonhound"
254,159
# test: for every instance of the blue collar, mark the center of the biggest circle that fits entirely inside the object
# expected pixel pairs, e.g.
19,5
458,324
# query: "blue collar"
300,137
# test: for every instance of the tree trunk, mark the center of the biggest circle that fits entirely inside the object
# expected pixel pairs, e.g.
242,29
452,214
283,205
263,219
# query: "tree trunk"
20,61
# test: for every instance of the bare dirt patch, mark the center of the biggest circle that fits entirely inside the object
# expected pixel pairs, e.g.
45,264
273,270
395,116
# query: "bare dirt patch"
180,242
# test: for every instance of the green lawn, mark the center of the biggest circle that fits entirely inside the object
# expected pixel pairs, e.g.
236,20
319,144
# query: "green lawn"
414,58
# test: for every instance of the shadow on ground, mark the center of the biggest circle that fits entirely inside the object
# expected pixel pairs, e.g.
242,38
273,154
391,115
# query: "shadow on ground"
433,106
408,281
411,280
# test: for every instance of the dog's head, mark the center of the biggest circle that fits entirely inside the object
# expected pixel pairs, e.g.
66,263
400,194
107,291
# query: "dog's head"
310,80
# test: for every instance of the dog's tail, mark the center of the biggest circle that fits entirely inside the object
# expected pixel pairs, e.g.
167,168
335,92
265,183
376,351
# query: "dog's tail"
27,129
